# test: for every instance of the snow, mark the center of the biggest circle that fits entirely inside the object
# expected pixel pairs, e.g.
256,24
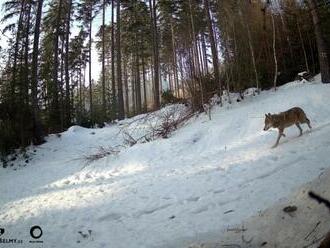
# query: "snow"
302,73
305,227
208,176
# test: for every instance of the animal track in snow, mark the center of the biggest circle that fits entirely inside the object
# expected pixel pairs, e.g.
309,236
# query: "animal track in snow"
200,209
88,176
151,210
111,216
193,199
219,191
274,158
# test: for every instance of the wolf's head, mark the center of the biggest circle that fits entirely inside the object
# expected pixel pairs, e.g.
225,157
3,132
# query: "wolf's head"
268,121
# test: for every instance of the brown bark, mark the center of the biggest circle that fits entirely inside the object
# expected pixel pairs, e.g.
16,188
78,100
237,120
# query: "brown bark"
145,103
103,62
67,78
126,88
90,67
38,135
251,49
322,45
55,104
113,78
138,85
303,46
213,48
121,111
204,54
153,10
175,69
274,51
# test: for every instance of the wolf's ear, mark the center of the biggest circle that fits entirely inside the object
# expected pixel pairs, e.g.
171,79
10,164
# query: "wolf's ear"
269,114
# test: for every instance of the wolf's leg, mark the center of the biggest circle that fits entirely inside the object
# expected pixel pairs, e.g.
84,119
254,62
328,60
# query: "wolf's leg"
308,123
299,127
280,134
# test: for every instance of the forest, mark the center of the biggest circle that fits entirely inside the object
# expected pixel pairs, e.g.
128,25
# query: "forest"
151,52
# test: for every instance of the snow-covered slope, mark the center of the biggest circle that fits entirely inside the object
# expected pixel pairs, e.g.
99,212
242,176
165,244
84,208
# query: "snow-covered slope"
207,176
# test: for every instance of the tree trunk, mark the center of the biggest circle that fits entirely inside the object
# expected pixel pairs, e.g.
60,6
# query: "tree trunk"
80,91
38,135
322,45
274,51
121,111
55,114
153,12
175,68
228,64
195,54
61,83
133,77
200,56
90,67
251,47
204,54
303,46
138,84
213,48
312,52
18,37
103,62
113,78
182,78
26,57
126,88
145,103
285,28
66,65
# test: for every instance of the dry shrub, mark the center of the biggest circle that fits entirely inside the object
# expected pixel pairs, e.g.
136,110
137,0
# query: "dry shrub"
170,121
169,98
201,90
101,153
155,125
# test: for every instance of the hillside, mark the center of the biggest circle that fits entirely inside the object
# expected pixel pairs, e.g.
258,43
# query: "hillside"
206,177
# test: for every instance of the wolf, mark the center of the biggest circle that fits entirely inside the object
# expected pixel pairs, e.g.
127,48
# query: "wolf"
286,119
